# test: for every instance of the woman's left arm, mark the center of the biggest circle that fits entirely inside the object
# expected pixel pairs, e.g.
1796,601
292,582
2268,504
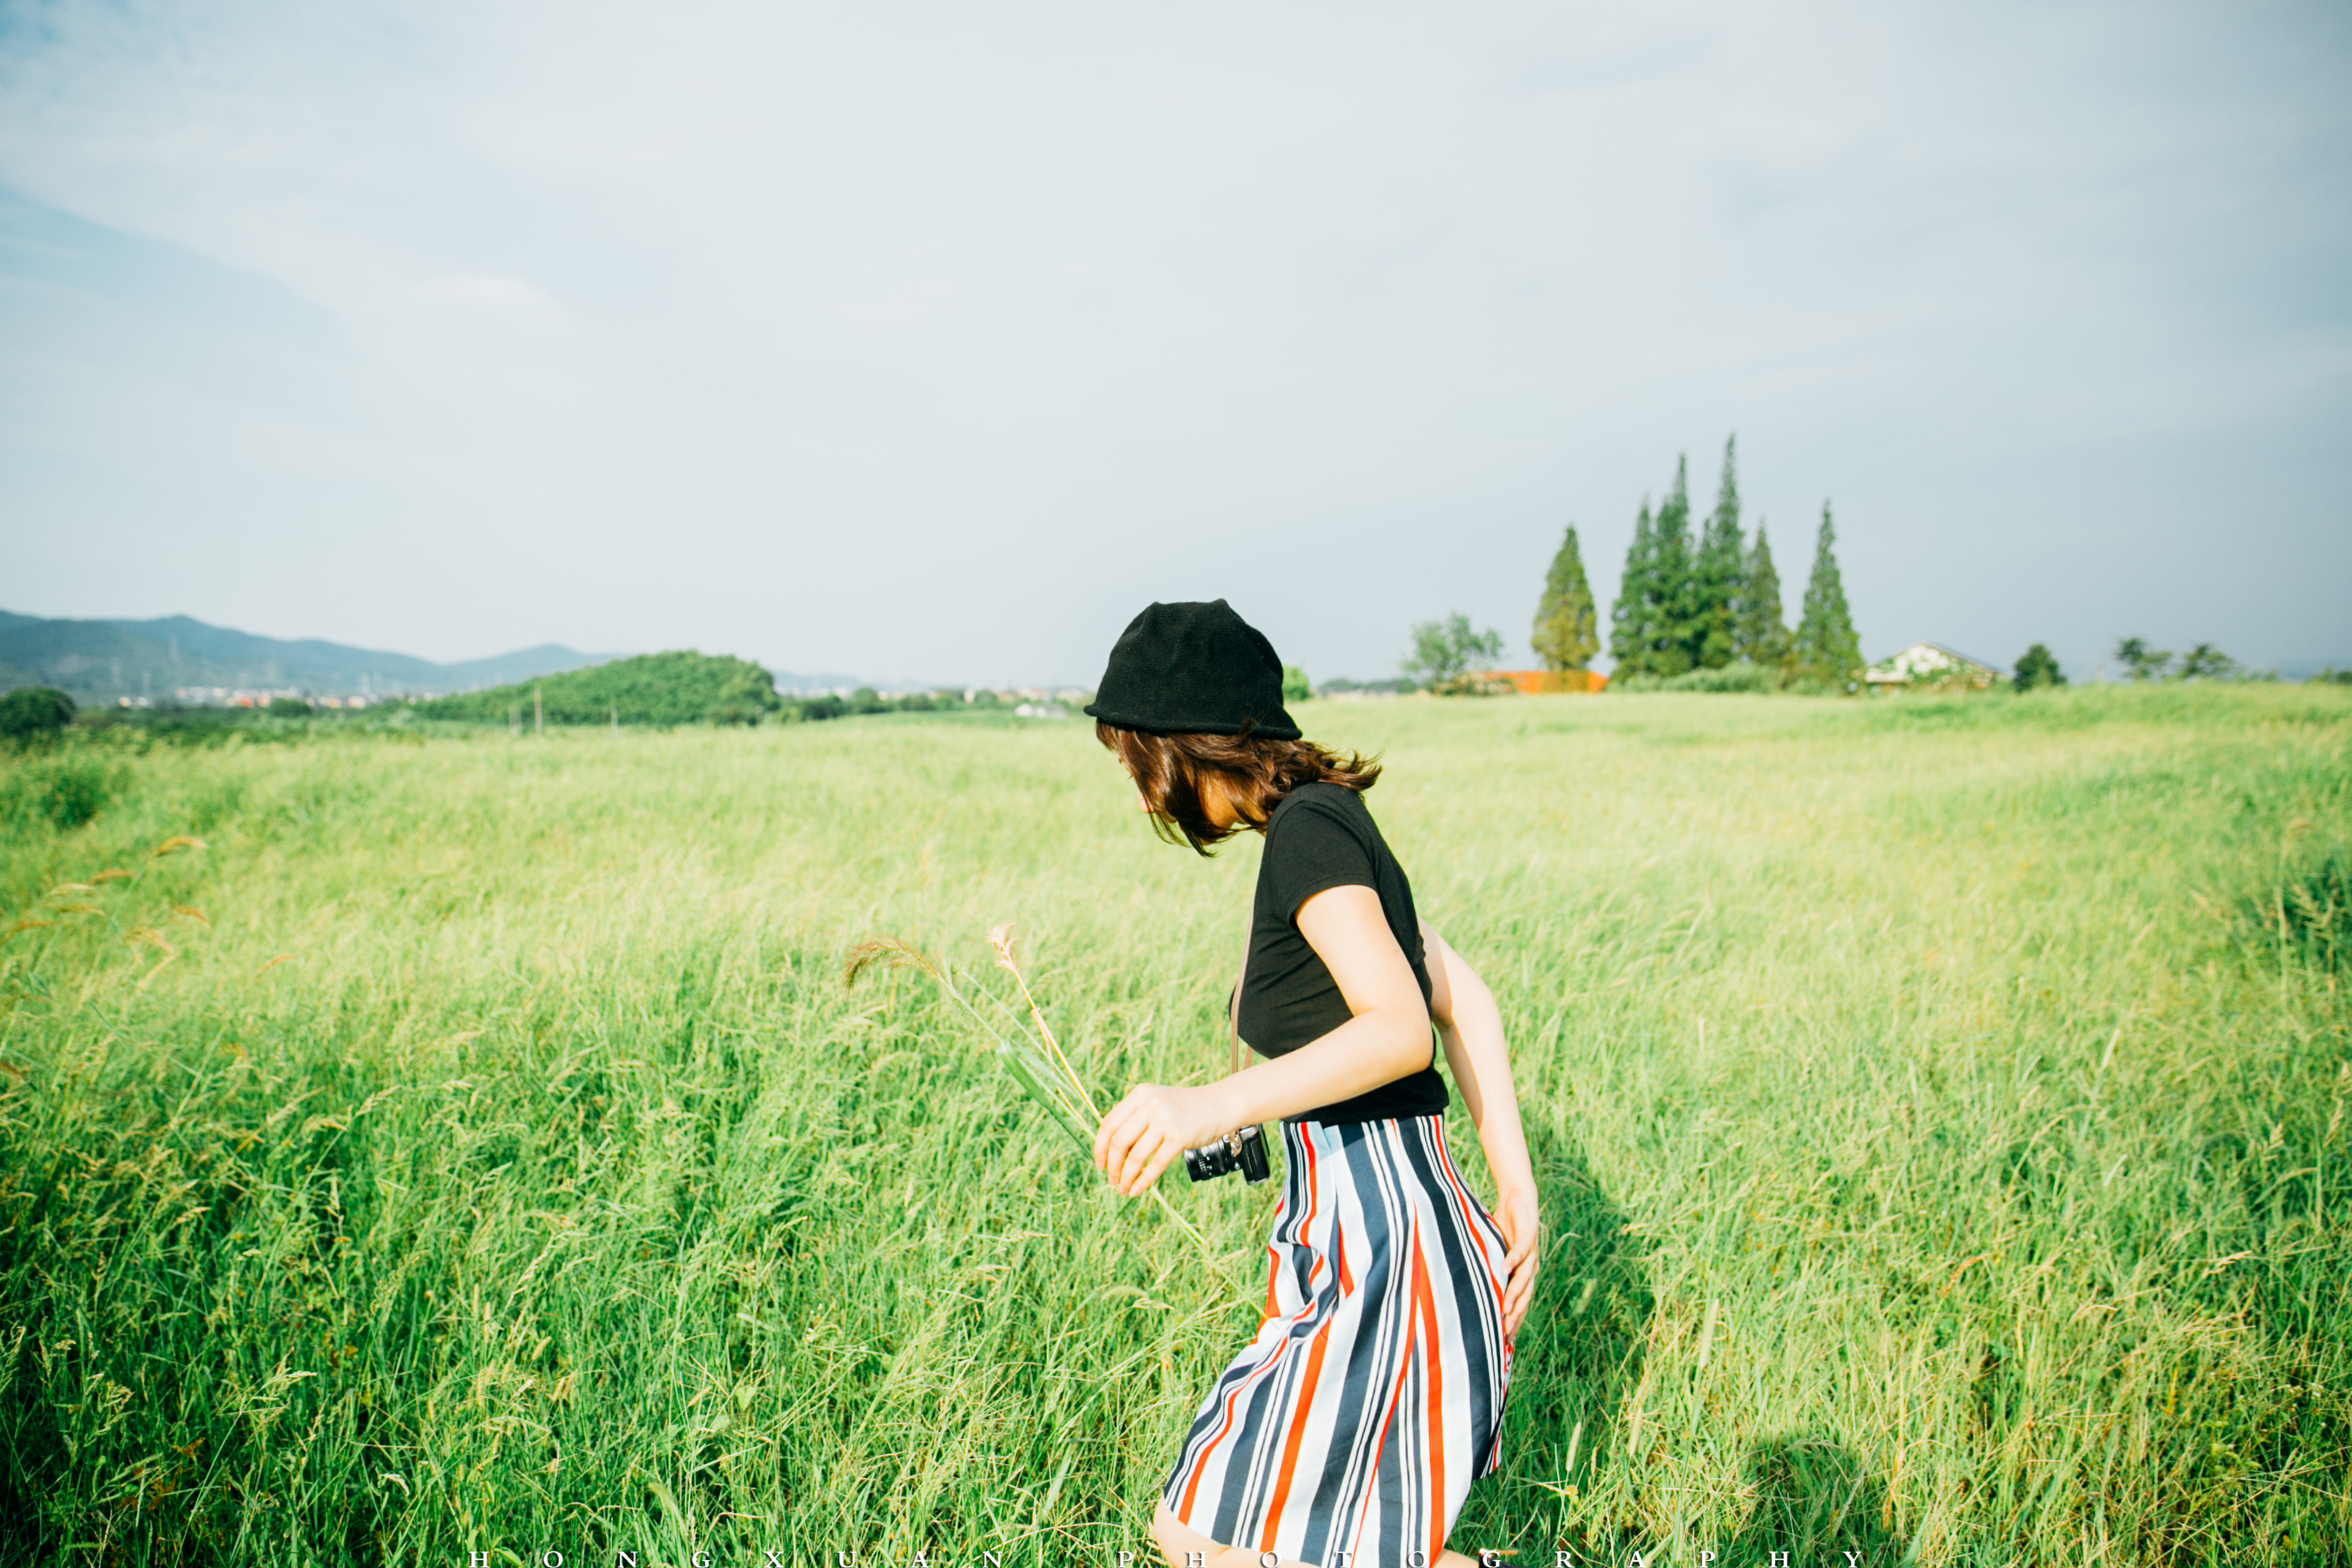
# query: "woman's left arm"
1471,1025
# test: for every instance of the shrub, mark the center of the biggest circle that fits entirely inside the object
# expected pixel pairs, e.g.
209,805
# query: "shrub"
65,791
30,712
1744,678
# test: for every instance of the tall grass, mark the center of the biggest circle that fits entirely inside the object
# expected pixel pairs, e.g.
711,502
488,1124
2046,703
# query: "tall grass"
471,1146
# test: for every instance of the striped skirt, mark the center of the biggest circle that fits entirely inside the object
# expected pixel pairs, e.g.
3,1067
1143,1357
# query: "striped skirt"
1348,1433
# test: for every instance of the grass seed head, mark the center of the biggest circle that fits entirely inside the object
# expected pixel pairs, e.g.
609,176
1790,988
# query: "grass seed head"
891,952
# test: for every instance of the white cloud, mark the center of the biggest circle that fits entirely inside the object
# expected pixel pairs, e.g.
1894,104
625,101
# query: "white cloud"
509,298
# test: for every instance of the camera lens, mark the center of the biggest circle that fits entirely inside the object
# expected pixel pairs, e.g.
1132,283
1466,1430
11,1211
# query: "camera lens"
1207,1163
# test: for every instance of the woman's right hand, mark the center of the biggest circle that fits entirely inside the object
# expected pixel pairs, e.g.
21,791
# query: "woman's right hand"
1152,1126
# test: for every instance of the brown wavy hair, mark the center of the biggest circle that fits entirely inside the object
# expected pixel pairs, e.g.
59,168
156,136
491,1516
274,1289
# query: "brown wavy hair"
1169,771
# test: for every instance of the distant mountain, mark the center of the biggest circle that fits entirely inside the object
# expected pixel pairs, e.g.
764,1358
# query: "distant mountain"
101,660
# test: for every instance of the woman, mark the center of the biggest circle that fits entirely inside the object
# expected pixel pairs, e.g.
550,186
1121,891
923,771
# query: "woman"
1348,1433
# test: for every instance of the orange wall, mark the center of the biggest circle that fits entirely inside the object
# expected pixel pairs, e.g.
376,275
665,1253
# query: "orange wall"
1535,682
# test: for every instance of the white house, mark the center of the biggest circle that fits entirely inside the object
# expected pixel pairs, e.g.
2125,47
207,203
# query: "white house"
1932,665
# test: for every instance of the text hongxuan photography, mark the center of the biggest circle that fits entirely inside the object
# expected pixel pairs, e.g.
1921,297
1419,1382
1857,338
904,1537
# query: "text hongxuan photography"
732,1557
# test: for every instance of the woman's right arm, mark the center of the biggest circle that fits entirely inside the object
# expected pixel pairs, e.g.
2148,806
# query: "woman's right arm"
1471,1026
1386,1037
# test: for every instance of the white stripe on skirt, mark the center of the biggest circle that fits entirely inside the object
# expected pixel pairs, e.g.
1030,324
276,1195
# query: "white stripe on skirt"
1348,1433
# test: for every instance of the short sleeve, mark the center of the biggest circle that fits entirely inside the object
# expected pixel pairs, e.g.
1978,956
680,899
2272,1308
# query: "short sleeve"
1312,847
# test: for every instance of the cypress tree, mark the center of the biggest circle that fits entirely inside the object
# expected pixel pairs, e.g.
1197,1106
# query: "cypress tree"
1565,636
1629,617
1673,594
1762,637
1716,574
1827,647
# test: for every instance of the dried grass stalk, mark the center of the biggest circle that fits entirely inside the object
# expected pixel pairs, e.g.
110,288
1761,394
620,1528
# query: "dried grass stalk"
1046,1075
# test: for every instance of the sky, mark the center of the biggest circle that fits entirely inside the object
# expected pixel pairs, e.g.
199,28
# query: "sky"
930,342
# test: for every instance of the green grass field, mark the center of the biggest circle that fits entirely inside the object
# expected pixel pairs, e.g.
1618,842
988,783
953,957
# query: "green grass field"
471,1146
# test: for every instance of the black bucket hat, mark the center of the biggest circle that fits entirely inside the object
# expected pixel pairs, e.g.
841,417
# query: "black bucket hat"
1194,668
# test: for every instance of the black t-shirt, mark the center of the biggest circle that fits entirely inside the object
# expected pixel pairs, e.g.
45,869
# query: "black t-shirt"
1320,835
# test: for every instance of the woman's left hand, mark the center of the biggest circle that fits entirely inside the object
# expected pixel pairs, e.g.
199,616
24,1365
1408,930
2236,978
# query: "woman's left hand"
1516,1216
1152,1126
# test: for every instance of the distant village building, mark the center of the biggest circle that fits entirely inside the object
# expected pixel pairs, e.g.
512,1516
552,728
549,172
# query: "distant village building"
1929,665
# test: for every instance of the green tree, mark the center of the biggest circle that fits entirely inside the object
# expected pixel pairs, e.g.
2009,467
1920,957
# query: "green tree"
1629,617
2143,662
1716,573
1566,636
1444,651
2206,662
2037,667
1675,599
30,712
1826,646
1762,637
1296,687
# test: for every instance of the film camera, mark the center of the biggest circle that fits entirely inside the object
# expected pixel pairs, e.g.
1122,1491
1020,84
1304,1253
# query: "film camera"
1243,1151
